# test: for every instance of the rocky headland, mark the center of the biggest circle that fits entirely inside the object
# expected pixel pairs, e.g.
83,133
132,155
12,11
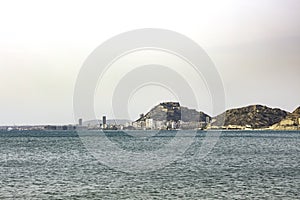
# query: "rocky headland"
253,116
170,114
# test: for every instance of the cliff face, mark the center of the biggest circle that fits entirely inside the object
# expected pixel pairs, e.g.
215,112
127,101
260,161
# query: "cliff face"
172,111
257,116
290,122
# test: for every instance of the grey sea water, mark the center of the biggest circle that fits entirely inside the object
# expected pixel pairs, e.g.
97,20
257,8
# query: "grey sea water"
242,165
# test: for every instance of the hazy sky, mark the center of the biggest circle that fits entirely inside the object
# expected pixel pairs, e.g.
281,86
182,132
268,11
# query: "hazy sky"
254,44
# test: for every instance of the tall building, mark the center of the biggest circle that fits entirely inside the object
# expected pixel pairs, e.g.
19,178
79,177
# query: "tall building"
149,124
80,122
104,122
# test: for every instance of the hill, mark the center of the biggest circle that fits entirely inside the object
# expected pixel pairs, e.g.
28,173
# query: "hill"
172,111
256,116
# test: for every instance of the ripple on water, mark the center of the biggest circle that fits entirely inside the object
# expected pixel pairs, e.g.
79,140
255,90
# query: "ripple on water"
45,165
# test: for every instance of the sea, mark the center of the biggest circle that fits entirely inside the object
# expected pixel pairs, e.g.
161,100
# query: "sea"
235,165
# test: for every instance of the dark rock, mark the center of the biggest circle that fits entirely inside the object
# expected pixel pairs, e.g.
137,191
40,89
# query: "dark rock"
257,116
172,111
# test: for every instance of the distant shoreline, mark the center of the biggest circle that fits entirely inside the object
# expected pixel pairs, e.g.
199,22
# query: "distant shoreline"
211,130
172,116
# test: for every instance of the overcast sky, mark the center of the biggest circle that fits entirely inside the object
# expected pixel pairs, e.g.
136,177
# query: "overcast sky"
255,46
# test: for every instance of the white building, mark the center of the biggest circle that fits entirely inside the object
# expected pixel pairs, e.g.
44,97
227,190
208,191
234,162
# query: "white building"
149,124
173,125
207,120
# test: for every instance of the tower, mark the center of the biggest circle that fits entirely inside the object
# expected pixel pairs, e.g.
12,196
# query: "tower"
104,122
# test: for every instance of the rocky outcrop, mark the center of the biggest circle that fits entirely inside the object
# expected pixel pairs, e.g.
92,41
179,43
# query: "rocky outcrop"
290,122
254,116
164,111
172,111
192,115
